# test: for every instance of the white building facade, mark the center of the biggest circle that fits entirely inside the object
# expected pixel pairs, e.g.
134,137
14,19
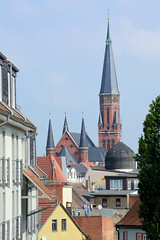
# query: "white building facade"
16,153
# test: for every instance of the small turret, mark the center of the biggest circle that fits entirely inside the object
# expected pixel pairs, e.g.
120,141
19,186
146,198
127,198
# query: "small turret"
83,146
65,126
50,142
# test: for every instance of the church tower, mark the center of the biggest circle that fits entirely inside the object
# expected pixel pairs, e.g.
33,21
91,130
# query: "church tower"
109,124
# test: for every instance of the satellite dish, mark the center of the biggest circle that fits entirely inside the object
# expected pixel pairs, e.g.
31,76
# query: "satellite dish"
99,207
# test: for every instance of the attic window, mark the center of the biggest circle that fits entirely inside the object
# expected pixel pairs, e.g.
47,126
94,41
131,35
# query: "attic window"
54,225
71,146
66,139
63,225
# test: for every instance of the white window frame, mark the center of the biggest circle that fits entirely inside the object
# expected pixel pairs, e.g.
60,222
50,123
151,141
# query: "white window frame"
66,225
116,184
9,90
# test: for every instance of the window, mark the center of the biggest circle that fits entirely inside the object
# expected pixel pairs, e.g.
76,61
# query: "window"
135,183
66,139
54,225
116,184
141,236
125,235
129,184
112,143
63,224
103,143
71,146
104,202
118,202
108,144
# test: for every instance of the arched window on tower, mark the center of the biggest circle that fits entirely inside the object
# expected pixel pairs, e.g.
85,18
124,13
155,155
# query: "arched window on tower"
103,143
112,142
107,118
108,144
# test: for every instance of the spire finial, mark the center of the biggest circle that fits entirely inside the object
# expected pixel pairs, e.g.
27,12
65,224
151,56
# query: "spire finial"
108,15
49,115
82,114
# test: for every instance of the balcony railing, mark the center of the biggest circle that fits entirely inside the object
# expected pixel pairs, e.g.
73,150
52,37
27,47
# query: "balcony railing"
17,174
5,230
4,172
17,228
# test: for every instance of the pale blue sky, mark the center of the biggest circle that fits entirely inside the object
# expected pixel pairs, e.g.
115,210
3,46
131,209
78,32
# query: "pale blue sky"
58,45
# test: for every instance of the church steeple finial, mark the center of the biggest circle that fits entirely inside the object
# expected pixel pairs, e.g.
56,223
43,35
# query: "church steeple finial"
50,141
109,83
65,126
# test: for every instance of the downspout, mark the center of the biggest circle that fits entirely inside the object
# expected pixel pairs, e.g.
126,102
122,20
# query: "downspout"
118,232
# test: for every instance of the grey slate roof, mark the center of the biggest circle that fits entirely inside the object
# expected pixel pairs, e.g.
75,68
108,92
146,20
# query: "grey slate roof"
50,141
83,138
80,169
65,152
109,83
96,154
65,126
76,137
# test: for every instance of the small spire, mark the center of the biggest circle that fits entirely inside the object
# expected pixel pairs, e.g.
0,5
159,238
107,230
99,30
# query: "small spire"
65,126
100,120
50,142
83,137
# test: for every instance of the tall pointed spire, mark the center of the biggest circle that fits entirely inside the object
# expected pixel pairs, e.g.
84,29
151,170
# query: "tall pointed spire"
109,83
83,138
65,126
109,125
50,142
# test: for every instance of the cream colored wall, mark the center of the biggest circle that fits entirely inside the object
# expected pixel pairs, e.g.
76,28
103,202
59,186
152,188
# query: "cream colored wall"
95,176
72,233
67,195
111,201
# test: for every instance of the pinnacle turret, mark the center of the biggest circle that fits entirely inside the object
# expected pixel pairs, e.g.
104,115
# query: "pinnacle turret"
50,142
83,138
65,126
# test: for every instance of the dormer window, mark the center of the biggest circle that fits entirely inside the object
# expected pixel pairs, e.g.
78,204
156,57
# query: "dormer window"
11,89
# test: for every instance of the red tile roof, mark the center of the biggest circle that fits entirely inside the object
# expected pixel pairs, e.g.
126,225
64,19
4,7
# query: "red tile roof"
131,218
14,113
53,170
35,180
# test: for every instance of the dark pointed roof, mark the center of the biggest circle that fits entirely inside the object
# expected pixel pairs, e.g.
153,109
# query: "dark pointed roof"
115,119
65,152
50,142
100,120
65,126
76,137
109,83
83,138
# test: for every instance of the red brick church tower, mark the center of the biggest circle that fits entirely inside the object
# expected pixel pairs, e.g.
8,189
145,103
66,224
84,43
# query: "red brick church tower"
109,125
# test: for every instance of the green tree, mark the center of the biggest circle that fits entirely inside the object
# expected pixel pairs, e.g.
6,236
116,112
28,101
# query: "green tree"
148,158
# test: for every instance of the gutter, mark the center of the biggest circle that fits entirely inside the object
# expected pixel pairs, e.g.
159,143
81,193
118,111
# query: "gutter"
5,122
